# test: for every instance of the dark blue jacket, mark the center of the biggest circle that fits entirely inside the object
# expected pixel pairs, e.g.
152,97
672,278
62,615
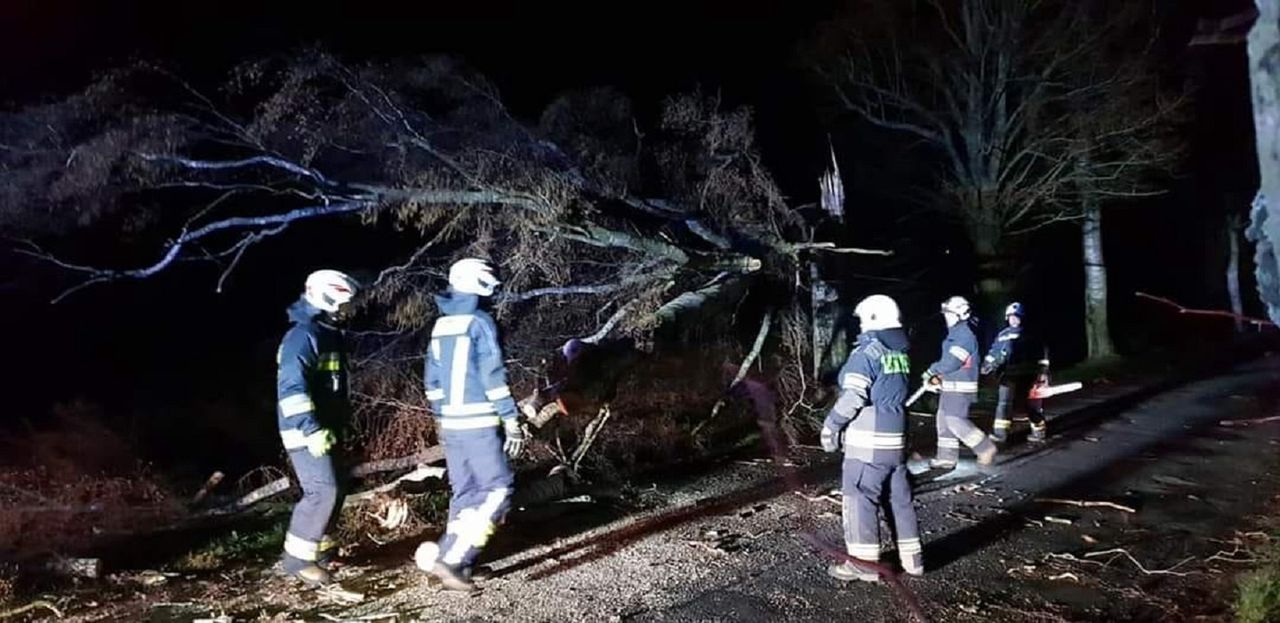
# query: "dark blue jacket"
311,377
466,376
873,389
957,363
1002,350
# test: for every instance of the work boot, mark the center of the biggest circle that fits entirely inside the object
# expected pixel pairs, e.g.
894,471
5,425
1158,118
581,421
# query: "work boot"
988,456
911,569
452,578
1037,434
847,572
941,464
309,572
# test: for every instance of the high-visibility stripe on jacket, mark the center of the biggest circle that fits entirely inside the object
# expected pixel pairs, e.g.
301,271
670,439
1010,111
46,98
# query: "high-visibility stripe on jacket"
466,377
311,377
1002,350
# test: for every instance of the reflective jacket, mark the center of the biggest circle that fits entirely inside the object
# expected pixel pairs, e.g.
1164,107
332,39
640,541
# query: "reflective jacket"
956,366
1002,350
873,389
465,374
311,377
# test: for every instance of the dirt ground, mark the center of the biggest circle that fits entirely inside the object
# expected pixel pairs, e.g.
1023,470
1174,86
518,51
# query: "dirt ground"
735,545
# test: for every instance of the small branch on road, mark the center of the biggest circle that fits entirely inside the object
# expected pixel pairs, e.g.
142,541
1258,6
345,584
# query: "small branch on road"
1120,551
1249,422
1087,504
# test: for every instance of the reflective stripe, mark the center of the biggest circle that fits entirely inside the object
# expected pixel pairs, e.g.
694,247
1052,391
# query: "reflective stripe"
974,438
948,442
435,349
474,526
1000,424
451,325
869,439
908,547
474,408
458,371
853,380
300,548
1044,362
296,404
960,387
293,438
330,362
1008,338
1038,427
498,393
959,353
435,394
469,423
864,551
326,543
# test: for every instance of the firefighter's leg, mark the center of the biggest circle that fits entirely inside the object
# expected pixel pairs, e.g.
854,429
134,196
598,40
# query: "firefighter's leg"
957,419
948,451
905,526
327,552
862,484
1004,404
311,515
1035,413
462,486
492,480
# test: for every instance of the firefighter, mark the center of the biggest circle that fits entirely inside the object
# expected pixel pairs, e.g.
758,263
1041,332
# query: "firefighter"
1003,359
869,421
466,382
311,390
955,375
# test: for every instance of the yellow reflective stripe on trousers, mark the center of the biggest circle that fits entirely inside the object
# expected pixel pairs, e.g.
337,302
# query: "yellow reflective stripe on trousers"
498,393
294,438
907,547
864,551
296,404
300,548
974,438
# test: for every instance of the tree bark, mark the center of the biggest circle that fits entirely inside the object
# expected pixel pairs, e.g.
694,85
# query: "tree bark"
1264,50
1097,333
1233,269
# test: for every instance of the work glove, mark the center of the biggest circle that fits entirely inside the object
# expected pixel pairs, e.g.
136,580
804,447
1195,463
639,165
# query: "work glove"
515,437
988,366
830,440
320,442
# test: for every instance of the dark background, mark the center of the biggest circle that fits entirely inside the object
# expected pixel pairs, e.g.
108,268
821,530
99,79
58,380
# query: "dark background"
157,355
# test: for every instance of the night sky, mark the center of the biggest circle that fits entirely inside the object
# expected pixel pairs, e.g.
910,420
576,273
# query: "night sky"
143,346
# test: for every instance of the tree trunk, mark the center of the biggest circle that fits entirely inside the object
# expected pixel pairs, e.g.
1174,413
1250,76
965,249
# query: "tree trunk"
1264,230
995,276
1097,333
1233,269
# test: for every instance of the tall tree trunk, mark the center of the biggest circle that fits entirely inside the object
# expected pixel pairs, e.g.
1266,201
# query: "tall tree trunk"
1264,70
995,273
1097,333
1234,223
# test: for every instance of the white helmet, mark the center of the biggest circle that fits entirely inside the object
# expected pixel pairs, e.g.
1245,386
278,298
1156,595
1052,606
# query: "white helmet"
473,276
957,305
878,312
327,290
1014,309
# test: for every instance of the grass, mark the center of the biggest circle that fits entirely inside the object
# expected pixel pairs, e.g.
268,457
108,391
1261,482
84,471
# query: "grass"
1258,591
235,546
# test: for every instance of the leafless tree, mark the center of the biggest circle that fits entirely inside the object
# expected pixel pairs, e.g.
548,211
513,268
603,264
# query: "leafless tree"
1001,92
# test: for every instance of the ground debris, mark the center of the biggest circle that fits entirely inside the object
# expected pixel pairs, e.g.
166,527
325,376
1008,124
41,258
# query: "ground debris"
1066,521
1087,504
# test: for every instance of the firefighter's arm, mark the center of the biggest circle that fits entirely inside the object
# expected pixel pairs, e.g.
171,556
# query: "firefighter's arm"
433,375
298,358
997,356
493,370
855,393
954,356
